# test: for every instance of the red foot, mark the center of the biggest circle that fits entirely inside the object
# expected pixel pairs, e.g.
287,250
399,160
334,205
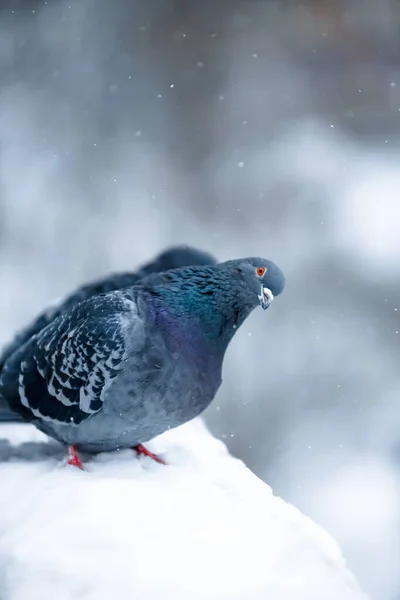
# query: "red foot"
141,450
73,458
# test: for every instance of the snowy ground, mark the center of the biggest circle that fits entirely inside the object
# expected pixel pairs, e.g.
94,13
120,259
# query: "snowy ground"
203,527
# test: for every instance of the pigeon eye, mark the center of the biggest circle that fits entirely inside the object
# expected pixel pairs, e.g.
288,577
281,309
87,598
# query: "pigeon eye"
260,271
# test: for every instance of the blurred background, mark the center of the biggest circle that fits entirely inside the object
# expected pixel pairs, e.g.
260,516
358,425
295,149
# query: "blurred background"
244,128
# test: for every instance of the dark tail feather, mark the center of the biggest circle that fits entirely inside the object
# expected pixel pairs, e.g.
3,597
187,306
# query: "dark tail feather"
9,416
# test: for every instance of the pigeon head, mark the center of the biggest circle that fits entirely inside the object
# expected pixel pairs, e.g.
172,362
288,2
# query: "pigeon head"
260,280
177,257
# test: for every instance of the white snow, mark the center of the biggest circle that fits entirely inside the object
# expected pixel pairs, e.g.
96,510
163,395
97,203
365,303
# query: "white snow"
202,528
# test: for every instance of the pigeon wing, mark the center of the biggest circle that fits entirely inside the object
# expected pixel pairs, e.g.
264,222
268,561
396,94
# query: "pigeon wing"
63,372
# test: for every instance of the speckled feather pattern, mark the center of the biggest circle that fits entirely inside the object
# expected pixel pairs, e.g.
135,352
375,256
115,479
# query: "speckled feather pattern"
120,368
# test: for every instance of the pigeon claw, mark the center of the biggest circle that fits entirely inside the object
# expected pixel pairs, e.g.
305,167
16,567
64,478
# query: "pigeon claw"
73,458
141,450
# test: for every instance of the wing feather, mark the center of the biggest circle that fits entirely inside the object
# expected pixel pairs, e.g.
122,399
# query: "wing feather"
62,373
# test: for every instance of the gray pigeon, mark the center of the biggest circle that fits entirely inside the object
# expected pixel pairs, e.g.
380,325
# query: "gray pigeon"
120,368
172,258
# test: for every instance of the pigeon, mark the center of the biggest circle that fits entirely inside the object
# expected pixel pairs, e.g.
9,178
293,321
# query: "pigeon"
172,258
120,368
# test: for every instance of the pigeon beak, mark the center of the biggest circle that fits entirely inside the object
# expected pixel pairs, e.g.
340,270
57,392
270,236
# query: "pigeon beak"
265,297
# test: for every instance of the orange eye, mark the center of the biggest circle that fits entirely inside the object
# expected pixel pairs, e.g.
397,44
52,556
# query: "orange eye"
260,271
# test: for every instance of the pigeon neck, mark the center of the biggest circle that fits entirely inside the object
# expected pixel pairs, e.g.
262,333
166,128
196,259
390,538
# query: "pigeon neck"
211,316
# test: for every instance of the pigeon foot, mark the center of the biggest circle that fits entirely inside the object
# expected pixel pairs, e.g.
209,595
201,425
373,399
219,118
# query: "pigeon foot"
73,458
141,450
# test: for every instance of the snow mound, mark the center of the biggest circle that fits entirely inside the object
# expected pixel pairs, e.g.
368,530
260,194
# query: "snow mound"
202,528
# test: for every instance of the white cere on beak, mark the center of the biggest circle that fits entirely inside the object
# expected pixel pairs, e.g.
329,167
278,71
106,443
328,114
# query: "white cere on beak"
265,297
